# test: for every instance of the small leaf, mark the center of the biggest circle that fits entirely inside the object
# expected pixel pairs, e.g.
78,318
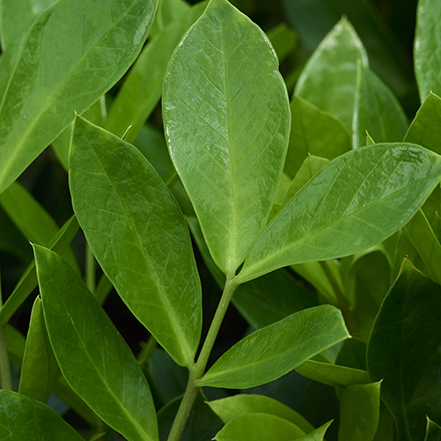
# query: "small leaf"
404,351
232,407
317,434
376,110
275,350
355,202
425,129
433,431
226,113
329,78
359,412
283,39
93,357
72,46
40,369
149,260
427,52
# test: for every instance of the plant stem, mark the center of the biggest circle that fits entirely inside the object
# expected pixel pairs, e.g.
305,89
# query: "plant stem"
90,270
146,352
197,371
5,368
346,310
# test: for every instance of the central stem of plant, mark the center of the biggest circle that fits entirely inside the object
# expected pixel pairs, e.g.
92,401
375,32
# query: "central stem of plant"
197,371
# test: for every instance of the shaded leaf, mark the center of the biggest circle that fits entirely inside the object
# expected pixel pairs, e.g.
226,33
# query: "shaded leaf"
273,351
433,431
283,39
226,113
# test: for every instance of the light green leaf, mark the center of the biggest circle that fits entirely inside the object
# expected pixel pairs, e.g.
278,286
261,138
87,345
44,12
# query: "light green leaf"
232,407
93,357
425,129
332,374
28,280
149,260
226,113
355,202
404,351
259,427
433,431
359,412
72,46
40,369
313,132
329,78
168,11
376,110
137,97
275,350
317,434
370,140
427,52
422,237
22,418
283,39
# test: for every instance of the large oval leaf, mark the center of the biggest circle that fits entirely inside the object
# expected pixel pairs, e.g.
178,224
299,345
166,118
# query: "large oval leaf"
93,357
138,235
74,52
273,351
227,119
355,202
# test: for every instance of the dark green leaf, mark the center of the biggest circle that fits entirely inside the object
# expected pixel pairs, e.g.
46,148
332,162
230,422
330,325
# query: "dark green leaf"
433,431
283,39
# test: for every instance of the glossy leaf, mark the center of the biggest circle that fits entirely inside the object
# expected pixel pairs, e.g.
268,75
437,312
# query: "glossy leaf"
376,110
22,418
259,427
427,53
40,369
149,260
332,374
28,280
355,202
433,431
137,97
359,412
232,407
425,129
275,350
313,132
227,119
403,350
94,47
329,78
93,357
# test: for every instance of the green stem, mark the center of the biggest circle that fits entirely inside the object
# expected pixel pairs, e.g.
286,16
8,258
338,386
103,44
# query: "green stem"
5,368
345,307
197,371
90,270
147,352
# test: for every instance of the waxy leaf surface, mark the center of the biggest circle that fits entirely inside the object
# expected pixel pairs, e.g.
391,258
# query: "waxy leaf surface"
427,51
329,78
357,201
227,119
275,350
376,110
93,357
404,351
74,52
116,193
22,418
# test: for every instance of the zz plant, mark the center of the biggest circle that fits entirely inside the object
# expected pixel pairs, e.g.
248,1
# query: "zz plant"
333,184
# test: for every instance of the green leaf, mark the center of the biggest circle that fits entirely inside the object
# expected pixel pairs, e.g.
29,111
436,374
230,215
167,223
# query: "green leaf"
352,354
232,407
359,412
433,431
93,357
427,52
28,280
259,427
329,218
22,418
313,132
404,351
317,434
15,343
226,113
275,350
425,129
376,110
137,97
40,369
283,39
72,46
332,374
329,78
149,260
